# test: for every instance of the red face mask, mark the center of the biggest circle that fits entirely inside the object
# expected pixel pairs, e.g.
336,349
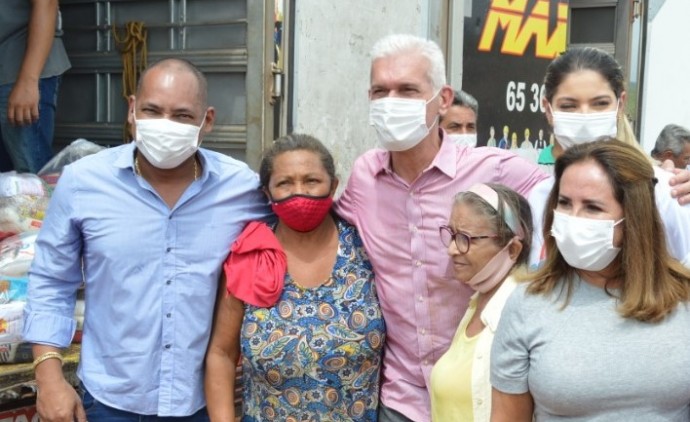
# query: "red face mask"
302,213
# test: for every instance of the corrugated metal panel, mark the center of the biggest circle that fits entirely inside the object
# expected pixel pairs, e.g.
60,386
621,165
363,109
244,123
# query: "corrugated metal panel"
210,33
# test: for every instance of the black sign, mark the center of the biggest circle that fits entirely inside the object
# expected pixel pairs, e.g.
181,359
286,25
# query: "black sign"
508,44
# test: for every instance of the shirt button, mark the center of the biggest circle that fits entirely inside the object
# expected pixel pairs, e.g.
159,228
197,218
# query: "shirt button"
479,356
418,263
421,299
422,331
168,249
425,362
168,282
415,229
168,315
167,346
479,402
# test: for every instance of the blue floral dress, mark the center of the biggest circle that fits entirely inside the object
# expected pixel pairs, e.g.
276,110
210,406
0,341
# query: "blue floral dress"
316,354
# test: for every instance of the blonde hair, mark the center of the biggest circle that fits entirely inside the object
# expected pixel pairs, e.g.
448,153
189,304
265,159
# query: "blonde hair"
653,283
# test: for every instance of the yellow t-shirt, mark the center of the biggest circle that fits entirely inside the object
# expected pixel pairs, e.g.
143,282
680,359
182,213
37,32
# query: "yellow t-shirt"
451,377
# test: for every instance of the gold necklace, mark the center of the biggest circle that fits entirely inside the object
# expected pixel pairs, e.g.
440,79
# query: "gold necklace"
137,170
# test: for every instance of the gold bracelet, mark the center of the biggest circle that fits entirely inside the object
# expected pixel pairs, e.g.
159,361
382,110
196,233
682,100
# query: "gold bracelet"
46,356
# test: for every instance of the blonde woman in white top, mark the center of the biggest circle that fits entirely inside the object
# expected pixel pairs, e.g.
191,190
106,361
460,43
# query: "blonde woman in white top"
488,236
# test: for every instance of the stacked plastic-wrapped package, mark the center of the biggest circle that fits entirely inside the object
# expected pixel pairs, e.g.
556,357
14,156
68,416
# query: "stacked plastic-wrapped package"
24,199
23,202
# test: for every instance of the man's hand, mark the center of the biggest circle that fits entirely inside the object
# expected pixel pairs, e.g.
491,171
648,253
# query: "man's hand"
680,182
22,105
59,402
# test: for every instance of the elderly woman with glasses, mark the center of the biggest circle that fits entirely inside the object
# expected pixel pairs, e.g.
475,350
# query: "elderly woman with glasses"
488,236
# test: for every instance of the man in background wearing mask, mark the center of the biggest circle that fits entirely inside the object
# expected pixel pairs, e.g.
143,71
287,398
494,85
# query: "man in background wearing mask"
149,223
460,120
399,196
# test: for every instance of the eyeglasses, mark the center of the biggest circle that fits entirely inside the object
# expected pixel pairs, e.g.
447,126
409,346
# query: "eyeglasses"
462,240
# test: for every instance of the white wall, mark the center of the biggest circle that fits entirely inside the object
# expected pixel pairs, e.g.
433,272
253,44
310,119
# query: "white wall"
331,69
666,96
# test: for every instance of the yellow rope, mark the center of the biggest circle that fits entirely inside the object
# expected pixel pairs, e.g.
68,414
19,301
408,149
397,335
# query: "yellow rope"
132,48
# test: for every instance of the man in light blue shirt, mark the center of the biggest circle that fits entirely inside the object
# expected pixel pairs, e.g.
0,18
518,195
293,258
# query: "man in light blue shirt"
149,225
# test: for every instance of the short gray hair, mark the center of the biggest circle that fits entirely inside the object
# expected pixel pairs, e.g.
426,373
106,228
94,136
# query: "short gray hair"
463,99
672,138
397,44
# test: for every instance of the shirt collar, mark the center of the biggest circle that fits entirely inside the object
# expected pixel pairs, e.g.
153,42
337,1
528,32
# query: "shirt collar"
445,160
126,160
491,314
126,157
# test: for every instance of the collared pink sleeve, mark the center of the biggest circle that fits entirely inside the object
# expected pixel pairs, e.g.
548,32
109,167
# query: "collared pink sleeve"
346,205
516,172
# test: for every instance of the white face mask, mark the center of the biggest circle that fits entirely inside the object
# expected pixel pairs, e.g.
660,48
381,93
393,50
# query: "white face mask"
579,128
400,123
166,144
584,243
467,139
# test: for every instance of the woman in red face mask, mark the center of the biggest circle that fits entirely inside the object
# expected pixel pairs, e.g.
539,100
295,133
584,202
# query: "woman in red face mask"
301,312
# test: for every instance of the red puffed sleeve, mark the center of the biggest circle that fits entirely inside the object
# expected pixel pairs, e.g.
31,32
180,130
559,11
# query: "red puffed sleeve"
255,269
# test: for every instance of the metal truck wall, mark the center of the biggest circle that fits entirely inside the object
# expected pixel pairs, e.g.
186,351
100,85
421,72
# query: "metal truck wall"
331,72
213,34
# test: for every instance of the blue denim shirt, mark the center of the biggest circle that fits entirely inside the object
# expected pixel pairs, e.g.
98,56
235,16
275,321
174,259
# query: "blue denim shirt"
151,275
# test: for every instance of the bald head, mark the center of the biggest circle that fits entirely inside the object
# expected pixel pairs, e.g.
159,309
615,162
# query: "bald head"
172,89
177,65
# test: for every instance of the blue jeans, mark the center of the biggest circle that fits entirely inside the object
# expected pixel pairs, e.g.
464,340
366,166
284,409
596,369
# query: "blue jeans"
97,411
29,147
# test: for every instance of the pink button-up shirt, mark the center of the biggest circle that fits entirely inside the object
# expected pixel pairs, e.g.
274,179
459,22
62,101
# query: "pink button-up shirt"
399,222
